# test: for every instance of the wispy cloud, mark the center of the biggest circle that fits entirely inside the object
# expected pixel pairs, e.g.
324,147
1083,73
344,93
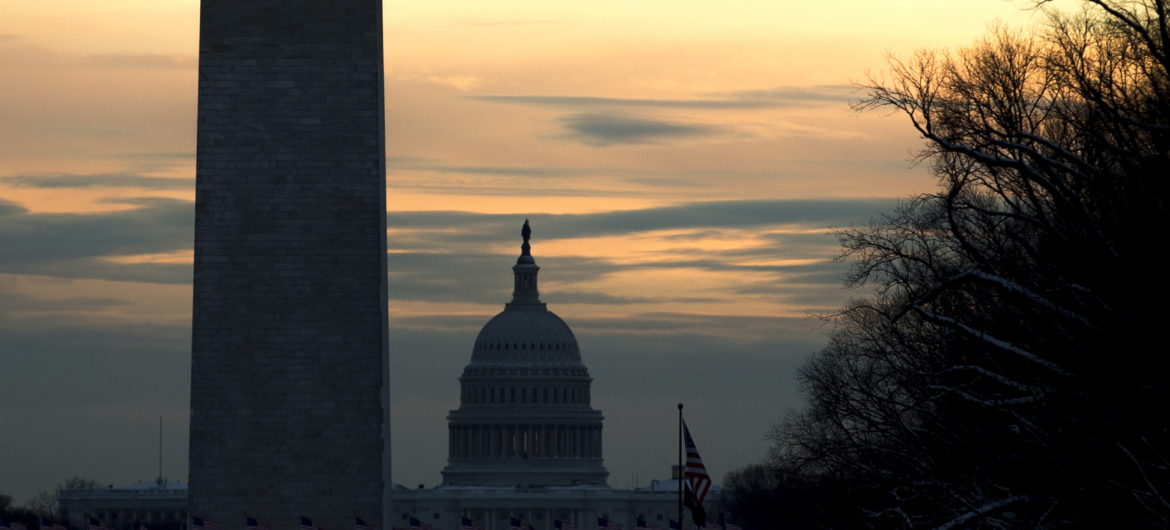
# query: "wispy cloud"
784,96
724,214
441,255
608,129
97,180
792,95
510,171
589,101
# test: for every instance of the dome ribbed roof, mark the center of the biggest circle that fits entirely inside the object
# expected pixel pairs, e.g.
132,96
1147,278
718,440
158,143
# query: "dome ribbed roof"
525,335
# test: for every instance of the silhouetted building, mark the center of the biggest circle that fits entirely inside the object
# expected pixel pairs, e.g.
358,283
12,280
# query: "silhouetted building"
524,415
289,401
158,504
525,441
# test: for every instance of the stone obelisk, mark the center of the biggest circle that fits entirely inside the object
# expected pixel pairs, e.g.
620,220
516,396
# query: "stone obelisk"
289,400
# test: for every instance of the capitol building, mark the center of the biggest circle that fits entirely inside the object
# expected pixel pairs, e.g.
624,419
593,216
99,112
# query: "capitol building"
525,442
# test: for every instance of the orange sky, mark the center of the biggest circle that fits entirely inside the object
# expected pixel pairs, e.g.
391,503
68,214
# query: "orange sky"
564,112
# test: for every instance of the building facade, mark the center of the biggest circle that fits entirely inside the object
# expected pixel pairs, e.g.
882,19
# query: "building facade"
158,504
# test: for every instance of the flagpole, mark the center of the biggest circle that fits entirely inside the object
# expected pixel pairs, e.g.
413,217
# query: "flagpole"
681,474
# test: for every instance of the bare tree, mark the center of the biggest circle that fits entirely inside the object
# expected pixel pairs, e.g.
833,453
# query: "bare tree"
1000,373
45,504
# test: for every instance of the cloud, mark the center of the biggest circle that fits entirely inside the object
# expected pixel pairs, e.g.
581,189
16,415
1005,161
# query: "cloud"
454,276
442,256
783,96
10,208
415,164
793,95
74,245
17,50
607,129
455,227
591,101
97,180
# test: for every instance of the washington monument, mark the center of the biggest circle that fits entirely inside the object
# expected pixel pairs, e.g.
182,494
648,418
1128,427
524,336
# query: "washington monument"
289,399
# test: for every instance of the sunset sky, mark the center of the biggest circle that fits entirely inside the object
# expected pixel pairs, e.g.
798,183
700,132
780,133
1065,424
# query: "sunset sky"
682,164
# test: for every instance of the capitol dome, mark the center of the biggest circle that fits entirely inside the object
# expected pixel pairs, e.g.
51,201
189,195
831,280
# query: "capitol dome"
524,416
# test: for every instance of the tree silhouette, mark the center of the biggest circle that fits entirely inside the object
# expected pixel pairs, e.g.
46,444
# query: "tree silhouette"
46,503
1003,372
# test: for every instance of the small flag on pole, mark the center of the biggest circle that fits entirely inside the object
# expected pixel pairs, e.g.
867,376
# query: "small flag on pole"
465,524
359,524
695,471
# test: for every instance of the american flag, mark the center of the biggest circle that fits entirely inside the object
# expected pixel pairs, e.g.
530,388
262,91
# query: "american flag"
465,524
415,524
307,524
203,524
251,523
700,481
515,523
359,524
